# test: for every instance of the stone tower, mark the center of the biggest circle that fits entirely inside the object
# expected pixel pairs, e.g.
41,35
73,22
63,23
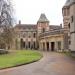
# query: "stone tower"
42,24
66,23
66,15
72,24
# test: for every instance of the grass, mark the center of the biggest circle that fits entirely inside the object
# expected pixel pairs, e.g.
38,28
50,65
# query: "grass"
17,58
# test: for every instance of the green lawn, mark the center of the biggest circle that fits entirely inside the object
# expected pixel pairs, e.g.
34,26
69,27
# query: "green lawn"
70,54
20,57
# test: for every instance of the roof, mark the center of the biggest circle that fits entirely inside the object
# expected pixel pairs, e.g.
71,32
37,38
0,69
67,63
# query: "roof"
34,26
43,18
60,31
69,2
72,2
55,27
26,26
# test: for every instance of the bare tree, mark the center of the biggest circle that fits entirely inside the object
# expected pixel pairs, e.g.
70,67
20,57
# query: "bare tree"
6,12
6,23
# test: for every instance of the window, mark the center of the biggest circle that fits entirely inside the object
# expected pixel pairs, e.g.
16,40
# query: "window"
69,42
68,12
71,19
34,35
43,30
29,34
24,35
69,25
64,12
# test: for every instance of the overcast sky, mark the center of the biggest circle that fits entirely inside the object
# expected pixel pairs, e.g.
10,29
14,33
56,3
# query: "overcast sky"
28,11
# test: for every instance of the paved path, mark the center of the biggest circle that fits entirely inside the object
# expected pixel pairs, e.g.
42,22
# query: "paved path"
50,64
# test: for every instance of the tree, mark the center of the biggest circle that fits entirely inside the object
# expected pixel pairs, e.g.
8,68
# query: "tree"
6,23
6,12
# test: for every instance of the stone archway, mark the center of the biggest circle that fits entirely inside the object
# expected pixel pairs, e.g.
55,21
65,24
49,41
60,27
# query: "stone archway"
47,43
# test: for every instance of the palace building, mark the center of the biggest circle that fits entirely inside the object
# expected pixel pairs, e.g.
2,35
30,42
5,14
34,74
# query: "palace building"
41,36
46,37
69,24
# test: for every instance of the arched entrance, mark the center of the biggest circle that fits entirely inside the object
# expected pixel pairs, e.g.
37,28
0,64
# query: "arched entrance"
47,46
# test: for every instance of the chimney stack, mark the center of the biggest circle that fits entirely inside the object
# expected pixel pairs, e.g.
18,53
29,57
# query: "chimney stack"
19,22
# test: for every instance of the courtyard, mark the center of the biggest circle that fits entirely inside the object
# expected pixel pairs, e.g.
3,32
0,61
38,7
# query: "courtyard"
52,63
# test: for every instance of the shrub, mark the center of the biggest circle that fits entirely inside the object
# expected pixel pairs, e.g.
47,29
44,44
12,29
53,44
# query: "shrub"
3,51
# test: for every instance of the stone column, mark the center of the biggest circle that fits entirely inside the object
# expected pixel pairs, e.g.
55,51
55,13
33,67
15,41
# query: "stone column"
45,46
56,46
62,45
49,46
42,46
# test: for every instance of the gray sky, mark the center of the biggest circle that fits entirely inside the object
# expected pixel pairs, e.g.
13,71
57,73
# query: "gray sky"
28,11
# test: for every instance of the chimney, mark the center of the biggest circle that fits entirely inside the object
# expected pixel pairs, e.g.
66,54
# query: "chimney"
61,25
19,22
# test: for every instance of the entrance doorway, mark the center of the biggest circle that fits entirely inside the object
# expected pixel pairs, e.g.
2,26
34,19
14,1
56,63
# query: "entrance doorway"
47,46
52,46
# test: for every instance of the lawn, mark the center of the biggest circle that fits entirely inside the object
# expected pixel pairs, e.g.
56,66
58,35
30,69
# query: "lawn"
70,54
19,57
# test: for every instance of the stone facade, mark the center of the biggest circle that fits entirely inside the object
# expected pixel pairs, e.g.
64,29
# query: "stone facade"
41,36
69,23
26,36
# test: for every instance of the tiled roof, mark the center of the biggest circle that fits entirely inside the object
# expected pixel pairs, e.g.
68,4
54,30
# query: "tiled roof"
43,18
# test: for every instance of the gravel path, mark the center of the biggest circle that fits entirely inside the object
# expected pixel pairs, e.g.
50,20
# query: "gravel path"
51,64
